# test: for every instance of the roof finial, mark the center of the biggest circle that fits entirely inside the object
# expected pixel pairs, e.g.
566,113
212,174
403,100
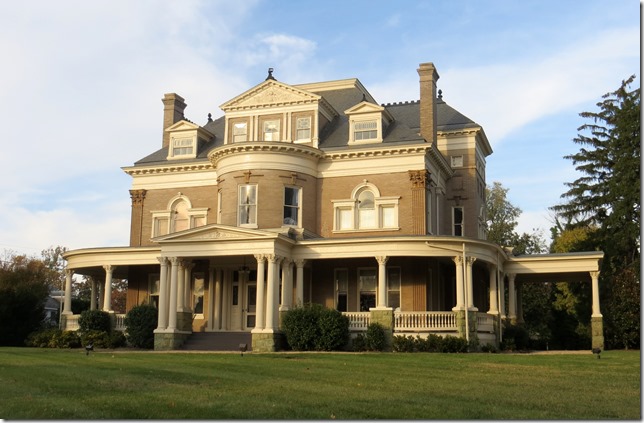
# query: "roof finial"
209,117
270,74
440,94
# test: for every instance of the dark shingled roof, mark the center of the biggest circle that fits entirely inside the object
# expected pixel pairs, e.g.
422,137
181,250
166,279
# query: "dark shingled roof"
405,129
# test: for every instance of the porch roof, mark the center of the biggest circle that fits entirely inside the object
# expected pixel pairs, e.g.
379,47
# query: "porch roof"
569,267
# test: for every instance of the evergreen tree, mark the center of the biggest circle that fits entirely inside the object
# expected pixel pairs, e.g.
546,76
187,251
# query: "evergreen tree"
605,200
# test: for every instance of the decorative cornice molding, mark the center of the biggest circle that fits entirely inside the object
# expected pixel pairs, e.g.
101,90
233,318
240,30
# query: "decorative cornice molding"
262,147
165,168
386,151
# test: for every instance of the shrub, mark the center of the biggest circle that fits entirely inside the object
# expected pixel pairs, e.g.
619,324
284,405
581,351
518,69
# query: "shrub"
334,330
94,320
487,348
140,323
359,343
401,343
453,344
117,339
515,338
65,339
42,338
98,338
376,340
314,327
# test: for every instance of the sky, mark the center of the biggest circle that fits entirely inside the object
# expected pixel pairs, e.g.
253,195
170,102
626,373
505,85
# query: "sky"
82,83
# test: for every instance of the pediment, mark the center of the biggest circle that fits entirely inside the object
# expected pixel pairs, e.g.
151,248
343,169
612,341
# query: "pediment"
182,125
214,232
270,93
364,107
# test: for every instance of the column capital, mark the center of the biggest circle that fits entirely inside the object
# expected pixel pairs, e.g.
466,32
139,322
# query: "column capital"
382,260
458,260
259,257
299,263
470,260
174,260
69,272
163,261
595,274
109,267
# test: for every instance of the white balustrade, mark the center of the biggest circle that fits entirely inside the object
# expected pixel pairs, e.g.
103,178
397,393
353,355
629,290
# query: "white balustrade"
119,322
485,322
358,321
424,321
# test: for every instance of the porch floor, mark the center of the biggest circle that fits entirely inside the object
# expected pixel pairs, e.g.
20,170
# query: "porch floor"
217,341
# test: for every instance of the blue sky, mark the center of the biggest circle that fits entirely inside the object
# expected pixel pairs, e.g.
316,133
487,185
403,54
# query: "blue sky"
82,83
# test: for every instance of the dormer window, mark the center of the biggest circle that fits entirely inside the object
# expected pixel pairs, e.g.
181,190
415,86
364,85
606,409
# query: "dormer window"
183,147
365,130
368,122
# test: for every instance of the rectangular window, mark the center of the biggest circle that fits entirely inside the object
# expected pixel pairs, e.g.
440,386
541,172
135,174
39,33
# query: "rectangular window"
291,206
341,289
365,130
368,283
240,132
458,221
345,219
154,284
247,205
303,129
388,217
197,293
271,129
393,287
182,147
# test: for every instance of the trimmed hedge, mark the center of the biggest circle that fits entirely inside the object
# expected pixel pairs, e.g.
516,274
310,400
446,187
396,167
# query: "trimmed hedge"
94,320
53,338
315,328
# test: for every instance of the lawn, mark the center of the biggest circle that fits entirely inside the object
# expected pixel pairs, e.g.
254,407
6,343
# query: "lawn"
68,384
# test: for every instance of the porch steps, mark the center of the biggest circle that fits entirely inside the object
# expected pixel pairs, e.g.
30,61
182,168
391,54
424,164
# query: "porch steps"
217,341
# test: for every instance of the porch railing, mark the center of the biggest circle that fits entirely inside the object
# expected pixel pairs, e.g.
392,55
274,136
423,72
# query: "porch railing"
71,322
485,322
358,321
424,321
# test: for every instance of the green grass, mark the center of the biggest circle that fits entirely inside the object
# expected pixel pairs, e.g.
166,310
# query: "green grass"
67,384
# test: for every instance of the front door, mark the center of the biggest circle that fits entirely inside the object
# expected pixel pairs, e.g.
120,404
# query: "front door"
235,306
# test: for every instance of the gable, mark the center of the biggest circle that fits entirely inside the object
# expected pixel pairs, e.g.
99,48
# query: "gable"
182,125
270,93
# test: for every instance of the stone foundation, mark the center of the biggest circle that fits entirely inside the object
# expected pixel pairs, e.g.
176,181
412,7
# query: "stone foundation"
168,341
384,317
267,342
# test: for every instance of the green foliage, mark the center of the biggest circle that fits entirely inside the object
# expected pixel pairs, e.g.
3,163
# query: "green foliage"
98,338
375,337
315,328
42,338
515,338
623,321
23,292
117,339
140,323
94,320
433,344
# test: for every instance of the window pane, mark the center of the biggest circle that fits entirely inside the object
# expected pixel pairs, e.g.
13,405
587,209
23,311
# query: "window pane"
367,301
346,219
291,205
198,295
368,280
388,217
271,130
303,128
247,204
342,302
240,132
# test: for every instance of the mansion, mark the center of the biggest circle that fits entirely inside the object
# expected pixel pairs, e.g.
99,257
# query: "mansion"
315,193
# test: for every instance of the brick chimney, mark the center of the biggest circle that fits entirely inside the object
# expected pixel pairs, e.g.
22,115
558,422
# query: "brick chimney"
428,77
173,106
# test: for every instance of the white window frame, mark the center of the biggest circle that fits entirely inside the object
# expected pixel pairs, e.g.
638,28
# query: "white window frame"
163,224
269,135
182,147
297,207
239,137
350,209
253,222
307,128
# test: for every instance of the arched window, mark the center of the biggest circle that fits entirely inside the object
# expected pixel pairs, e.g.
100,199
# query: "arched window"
366,210
178,216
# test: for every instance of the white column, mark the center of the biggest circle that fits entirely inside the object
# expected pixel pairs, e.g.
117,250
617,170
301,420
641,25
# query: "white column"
181,291
382,281
299,282
260,309
163,294
172,309
107,302
494,293
502,295
470,283
287,285
211,298
512,297
595,286
92,300
188,265
67,306
271,293
218,298
460,300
